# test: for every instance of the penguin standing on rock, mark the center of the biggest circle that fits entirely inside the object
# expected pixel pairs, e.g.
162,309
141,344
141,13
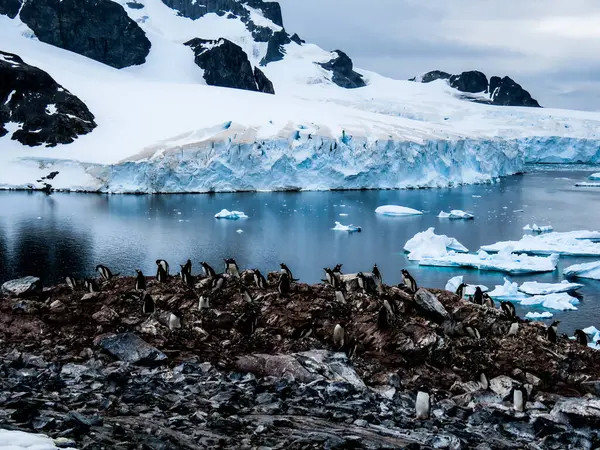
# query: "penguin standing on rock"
377,274
329,276
203,303
508,309
285,269
91,285
488,301
140,281
582,338
552,332
232,268
105,272
259,279
460,290
246,296
187,267
409,281
186,277
340,297
362,282
423,403
478,296
519,398
217,282
514,328
71,282
148,306
304,330
473,332
383,318
162,270
337,270
174,322
208,271
338,336
283,287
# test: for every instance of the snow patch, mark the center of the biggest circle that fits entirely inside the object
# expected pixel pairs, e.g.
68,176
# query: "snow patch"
427,244
51,109
393,210
232,215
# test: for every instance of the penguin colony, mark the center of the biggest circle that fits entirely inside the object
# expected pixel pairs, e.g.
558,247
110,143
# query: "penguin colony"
363,285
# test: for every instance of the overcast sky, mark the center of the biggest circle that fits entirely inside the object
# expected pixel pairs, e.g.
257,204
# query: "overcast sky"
550,47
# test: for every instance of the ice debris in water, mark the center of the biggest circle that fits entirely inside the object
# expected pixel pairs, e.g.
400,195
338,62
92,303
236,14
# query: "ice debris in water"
572,243
453,283
427,244
587,270
343,215
351,228
537,229
456,214
559,302
232,215
536,315
508,291
535,288
239,231
393,210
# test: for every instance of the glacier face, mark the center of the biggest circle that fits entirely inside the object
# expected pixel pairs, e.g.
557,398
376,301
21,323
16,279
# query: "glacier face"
565,150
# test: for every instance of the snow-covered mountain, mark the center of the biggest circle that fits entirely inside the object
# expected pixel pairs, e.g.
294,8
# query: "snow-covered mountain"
291,115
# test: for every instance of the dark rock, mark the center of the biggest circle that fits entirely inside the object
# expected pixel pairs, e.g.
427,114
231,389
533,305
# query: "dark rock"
343,74
260,34
275,50
10,8
22,287
295,38
98,29
130,348
507,92
593,387
262,82
472,81
579,412
434,75
544,427
135,5
430,303
195,9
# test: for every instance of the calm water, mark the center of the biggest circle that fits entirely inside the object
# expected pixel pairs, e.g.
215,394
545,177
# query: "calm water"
52,236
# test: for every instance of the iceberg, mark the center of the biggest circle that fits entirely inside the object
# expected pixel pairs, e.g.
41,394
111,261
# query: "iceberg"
232,215
535,288
456,214
537,229
393,210
591,330
559,302
508,291
427,244
453,283
538,316
239,231
587,270
572,243
351,228
502,262
594,176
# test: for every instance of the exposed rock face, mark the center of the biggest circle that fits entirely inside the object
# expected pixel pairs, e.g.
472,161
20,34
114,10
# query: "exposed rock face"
49,114
131,348
225,64
506,92
98,29
472,81
10,8
22,287
343,73
195,9
275,51
432,76
295,38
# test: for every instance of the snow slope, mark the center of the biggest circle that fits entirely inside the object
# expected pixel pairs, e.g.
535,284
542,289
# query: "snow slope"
162,129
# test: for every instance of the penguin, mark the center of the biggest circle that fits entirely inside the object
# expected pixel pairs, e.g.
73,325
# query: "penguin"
105,272
283,287
478,296
232,268
187,267
473,332
552,332
217,282
337,270
246,296
390,309
423,403
140,281
383,318
208,271
329,276
377,274
91,285
514,328
147,303
409,281
488,301
203,303
186,277
363,283
304,330
483,381
582,338
340,296
161,274
164,264
460,290
71,282
338,336
174,322
519,398
259,280
508,309
286,269
350,348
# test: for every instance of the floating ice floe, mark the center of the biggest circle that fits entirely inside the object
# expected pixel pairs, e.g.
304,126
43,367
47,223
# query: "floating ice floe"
453,284
456,214
351,228
572,243
535,288
239,231
595,333
232,215
587,270
591,330
393,210
427,244
17,440
594,176
508,291
343,215
537,229
559,302
537,316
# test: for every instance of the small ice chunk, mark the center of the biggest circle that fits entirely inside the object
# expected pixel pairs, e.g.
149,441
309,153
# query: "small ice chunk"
427,244
343,215
239,231
537,229
456,214
19,440
232,215
591,330
351,228
476,196
586,270
537,316
594,176
393,210
559,302
535,288
453,283
508,291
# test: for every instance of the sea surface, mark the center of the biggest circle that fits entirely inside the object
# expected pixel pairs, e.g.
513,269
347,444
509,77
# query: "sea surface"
69,234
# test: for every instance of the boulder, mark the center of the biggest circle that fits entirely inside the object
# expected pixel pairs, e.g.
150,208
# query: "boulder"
98,29
342,69
105,315
429,302
507,92
129,347
48,113
592,386
472,81
22,287
503,385
432,76
578,411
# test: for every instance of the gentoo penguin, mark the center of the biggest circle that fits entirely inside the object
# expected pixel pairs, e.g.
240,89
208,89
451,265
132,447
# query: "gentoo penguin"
350,348
246,296
339,296
217,282
174,322
232,268
203,303
104,271
582,338
187,267
377,274
71,283
330,276
164,264
337,270
91,285
208,271
283,287
304,330
338,336
508,309
286,269
186,277
460,290
552,334
383,321
409,281
147,303
488,301
483,381
162,270
140,281
519,398
514,328
478,296
473,332
423,403
362,281
259,280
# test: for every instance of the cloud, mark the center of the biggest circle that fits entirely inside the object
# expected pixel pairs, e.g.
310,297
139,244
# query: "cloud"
548,46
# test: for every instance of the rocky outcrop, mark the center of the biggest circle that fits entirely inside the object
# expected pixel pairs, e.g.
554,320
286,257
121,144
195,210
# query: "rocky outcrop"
46,112
472,81
225,64
10,8
507,92
295,38
131,348
194,9
275,50
98,29
22,287
342,71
